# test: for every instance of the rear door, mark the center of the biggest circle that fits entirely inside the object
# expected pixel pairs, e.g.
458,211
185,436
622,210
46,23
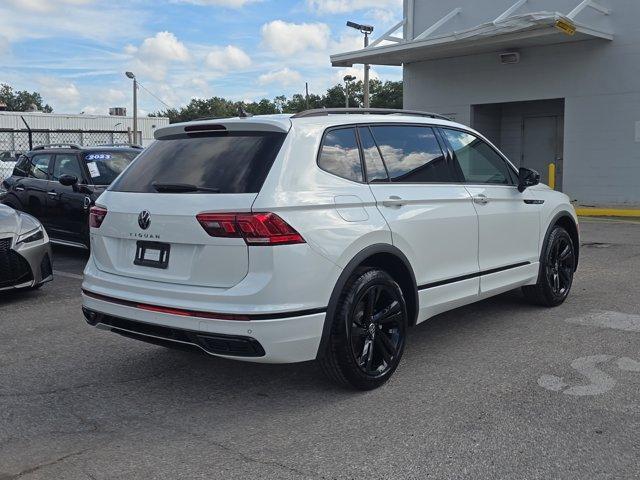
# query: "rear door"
153,205
509,221
32,189
431,217
67,206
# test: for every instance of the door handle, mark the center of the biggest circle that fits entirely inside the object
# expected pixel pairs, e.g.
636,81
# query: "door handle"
52,194
19,188
394,201
481,199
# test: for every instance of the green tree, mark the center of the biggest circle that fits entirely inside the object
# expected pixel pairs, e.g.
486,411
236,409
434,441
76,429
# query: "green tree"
383,95
386,95
22,101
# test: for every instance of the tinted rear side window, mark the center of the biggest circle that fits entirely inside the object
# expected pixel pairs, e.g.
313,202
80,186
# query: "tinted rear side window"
340,154
412,154
232,162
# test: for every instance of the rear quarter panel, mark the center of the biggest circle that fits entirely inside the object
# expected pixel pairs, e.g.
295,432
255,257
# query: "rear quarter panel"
338,218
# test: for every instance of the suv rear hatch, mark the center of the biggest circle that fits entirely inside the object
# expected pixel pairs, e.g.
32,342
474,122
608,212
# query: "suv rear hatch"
150,230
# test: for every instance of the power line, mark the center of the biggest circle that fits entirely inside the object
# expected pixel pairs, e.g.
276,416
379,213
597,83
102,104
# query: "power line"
154,96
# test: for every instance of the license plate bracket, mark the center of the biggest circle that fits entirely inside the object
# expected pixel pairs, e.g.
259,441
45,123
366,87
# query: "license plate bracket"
152,254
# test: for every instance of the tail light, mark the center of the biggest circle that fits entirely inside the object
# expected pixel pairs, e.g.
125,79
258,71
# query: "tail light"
96,216
255,228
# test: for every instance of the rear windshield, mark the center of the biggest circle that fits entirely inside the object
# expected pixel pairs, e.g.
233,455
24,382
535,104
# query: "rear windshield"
104,167
230,162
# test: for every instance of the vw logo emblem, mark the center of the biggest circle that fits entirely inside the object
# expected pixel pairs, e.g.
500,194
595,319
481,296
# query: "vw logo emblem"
144,219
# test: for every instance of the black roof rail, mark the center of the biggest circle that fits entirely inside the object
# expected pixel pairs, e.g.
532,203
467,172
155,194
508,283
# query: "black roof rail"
123,145
57,145
319,112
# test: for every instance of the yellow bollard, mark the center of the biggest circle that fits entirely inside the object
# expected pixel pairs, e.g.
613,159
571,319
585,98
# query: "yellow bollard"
552,176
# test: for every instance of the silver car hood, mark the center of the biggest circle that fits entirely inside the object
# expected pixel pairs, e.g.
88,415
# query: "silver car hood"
14,222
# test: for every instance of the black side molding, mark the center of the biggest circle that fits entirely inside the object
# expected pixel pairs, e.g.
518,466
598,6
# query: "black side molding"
472,275
534,202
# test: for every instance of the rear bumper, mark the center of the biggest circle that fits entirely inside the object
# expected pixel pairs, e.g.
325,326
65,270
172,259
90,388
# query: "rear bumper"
278,340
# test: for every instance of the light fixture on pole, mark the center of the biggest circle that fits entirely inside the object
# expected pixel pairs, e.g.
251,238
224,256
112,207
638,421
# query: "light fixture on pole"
347,79
135,107
366,30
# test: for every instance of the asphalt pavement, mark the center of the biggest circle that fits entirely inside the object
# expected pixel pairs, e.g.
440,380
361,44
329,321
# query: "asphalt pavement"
498,389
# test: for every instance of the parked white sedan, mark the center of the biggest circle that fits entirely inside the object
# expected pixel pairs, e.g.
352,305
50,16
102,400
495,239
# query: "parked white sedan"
25,253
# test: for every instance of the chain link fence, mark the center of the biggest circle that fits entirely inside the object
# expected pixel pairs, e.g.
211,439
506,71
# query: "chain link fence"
14,143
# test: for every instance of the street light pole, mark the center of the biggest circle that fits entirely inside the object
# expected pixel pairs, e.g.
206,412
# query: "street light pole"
366,74
347,79
135,107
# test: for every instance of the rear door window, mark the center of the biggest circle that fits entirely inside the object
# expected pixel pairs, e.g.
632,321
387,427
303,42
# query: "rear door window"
229,162
340,154
412,154
39,167
104,167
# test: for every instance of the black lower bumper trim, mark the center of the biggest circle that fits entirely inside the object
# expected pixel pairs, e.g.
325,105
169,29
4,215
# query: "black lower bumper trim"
213,343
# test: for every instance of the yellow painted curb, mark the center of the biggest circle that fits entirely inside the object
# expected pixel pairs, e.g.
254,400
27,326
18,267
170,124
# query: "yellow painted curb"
606,212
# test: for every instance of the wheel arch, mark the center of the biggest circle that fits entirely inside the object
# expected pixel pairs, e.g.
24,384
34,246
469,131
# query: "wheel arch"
565,220
383,256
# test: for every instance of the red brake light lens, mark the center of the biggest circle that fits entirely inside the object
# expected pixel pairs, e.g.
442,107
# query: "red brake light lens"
255,228
96,216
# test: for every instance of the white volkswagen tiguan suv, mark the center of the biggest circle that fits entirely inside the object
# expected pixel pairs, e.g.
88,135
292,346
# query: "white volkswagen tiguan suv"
323,235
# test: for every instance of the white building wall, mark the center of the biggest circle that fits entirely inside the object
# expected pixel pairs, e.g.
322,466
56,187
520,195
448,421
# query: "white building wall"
599,80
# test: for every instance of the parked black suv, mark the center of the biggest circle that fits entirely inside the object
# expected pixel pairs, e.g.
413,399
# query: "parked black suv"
59,183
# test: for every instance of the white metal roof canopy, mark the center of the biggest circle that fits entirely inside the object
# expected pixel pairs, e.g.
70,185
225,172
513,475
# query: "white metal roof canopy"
505,32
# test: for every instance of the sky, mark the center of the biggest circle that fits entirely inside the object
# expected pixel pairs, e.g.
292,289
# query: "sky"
75,52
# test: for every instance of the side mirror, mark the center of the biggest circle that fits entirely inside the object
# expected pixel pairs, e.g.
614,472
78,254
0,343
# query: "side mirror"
527,178
68,180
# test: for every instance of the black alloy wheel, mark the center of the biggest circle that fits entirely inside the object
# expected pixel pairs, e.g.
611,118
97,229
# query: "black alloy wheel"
376,333
558,265
368,331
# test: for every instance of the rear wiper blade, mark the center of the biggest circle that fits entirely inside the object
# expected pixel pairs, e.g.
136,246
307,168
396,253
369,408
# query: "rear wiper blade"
182,188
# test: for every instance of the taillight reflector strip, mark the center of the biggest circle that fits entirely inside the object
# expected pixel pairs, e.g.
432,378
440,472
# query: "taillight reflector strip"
264,228
97,216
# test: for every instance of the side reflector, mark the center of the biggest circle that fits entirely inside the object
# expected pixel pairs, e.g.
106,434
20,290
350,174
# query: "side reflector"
256,228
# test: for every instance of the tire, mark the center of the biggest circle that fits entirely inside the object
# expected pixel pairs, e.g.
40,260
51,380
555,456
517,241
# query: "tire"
557,266
368,333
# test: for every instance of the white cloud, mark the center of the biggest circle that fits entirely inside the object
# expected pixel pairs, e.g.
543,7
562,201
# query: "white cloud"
4,45
287,39
152,58
357,72
285,77
164,46
45,5
61,94
220,3
113,96
343,6
347,43
227,58
36,19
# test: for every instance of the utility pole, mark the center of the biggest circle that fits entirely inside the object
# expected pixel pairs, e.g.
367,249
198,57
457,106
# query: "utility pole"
135,108
306,89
